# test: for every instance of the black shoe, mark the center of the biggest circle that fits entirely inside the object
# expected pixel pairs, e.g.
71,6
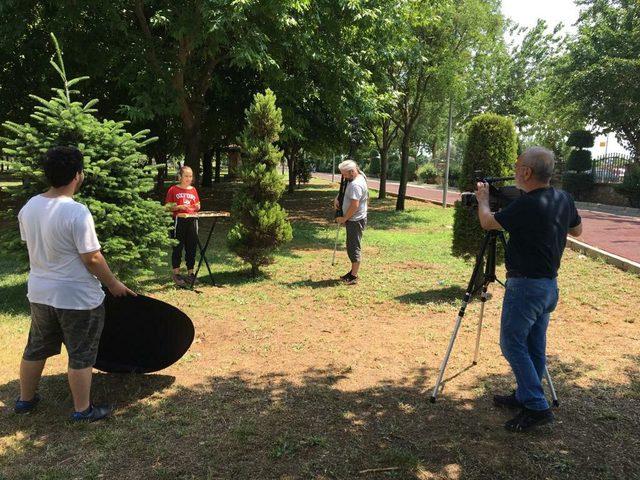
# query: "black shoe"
528,419
346,276
351,280
91,414
508,401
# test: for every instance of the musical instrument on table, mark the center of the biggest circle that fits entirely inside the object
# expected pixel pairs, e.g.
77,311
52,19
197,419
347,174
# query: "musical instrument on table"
204,214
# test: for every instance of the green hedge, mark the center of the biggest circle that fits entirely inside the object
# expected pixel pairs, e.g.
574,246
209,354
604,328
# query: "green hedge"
374,166
580,139
491,147
577,184
630,186
579,161
427,173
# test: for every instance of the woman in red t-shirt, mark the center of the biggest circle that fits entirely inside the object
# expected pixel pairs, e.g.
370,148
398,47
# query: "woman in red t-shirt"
182,199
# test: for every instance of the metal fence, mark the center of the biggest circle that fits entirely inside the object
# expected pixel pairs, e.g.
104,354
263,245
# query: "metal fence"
610,168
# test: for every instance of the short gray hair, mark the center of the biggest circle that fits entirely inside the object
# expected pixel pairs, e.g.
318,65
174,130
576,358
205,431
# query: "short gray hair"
541,162
348,166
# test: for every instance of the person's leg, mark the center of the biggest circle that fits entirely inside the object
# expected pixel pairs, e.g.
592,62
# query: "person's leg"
354,242
355,267
30,373
45,340
176,254
82,330
537,344
537,341
190,244
519,314
80,385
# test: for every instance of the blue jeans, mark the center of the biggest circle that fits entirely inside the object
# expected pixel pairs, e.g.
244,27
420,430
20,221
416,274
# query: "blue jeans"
523,334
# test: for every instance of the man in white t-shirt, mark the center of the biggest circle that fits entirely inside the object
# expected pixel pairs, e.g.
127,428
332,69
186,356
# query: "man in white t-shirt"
64,291
354,206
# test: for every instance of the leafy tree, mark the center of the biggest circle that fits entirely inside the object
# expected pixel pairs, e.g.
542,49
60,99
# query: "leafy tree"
262,224
491,148
131,227
439,43
601,69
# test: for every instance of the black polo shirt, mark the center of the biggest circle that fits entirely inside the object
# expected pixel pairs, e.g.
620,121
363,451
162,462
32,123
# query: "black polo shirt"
538,223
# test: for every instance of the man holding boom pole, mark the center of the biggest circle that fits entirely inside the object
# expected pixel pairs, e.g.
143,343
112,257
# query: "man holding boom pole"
354,207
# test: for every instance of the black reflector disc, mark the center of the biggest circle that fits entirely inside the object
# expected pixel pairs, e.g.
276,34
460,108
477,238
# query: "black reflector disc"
142,335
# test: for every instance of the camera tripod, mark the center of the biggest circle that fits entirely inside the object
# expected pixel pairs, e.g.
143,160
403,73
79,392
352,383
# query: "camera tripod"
488,249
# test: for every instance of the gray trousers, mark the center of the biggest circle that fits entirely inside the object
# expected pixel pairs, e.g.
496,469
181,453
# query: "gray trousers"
354,238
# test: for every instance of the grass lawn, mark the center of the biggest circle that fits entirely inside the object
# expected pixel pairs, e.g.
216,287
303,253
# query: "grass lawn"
294,376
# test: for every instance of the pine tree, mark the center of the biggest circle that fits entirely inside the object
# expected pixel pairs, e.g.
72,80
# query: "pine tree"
132,229
262,224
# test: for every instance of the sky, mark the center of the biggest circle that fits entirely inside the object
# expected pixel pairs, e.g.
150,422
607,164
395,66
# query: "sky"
526,13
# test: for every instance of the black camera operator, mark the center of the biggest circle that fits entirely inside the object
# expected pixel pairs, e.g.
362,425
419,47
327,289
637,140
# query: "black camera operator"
538,223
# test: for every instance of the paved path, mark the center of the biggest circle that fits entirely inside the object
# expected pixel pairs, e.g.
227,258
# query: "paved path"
616,234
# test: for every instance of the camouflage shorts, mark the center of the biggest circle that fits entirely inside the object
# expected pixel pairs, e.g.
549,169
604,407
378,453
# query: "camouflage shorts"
79,330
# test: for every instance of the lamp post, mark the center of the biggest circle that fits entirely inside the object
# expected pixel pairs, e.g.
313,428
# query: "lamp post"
446,168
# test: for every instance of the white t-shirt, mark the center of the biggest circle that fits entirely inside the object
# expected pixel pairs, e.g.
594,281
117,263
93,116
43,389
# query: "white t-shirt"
356,190
57,230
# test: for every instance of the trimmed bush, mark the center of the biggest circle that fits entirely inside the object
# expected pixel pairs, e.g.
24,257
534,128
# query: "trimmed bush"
577,183
303,170
580,139
491,147
427,173
579,161
630,186
374,165
454,175
412,169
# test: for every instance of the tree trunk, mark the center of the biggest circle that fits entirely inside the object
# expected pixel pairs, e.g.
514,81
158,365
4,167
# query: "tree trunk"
193,150
207,167
404,158
217,174
291,163
161,162
384,166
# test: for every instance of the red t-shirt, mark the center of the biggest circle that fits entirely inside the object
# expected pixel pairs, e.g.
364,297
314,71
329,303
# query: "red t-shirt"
183,196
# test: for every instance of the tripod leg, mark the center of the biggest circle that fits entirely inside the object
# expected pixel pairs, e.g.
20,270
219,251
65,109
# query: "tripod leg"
551,387
335,248
483,300
452,340
467,298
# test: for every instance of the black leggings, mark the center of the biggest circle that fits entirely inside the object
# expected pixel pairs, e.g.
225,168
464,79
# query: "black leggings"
186,232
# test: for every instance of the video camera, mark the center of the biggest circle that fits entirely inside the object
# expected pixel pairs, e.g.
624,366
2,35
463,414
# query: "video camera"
499,196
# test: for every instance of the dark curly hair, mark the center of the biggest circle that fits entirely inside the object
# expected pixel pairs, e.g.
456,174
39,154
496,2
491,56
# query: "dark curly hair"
61,164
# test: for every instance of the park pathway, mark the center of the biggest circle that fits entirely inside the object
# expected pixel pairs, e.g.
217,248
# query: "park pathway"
615,234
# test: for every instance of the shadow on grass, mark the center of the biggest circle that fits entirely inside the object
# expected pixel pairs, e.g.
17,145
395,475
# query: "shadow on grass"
235,427
451,295
314,283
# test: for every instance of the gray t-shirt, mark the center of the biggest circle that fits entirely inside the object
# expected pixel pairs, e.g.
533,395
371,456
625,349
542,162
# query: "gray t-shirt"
356,190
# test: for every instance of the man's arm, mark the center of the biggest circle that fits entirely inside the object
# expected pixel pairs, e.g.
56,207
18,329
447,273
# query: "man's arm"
576,231
349,213
487,220
97,265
